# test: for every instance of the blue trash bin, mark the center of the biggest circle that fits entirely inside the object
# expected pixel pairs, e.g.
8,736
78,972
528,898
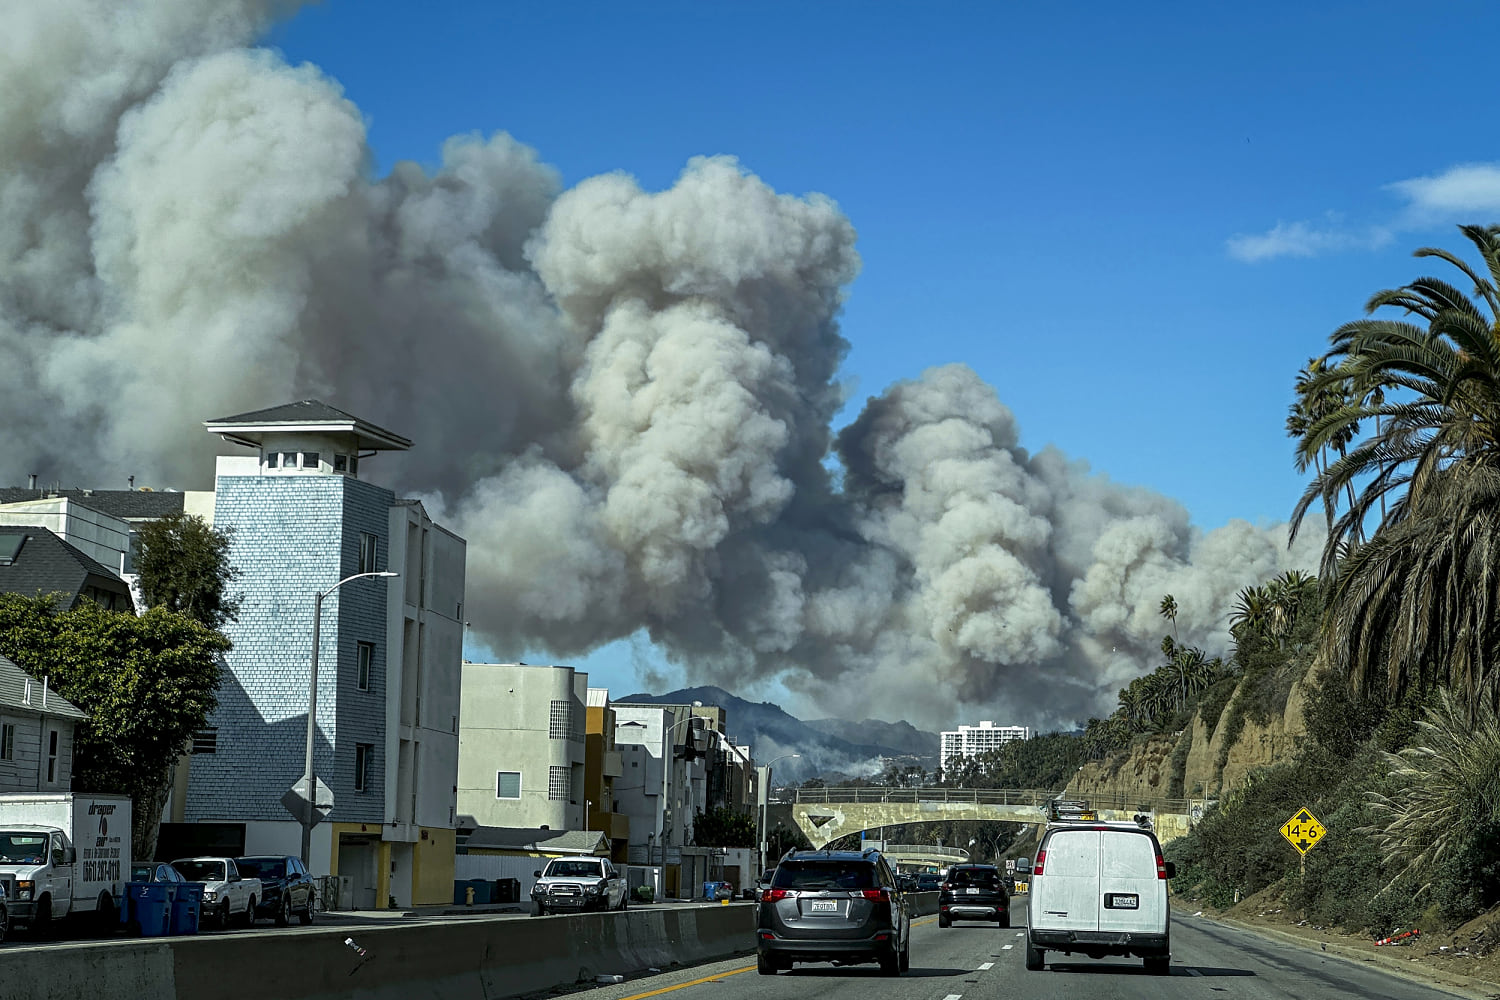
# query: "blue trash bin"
187,908
149,906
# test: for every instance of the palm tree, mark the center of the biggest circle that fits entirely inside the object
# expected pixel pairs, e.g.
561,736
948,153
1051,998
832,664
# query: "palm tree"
1448,788
1410,608
1320,393
1168,611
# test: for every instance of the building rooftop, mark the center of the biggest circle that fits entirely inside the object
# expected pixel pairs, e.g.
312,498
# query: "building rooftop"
13,687
307,416
127,504
34,561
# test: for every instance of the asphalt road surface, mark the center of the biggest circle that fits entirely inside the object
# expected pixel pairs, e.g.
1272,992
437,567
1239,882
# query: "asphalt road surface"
972,961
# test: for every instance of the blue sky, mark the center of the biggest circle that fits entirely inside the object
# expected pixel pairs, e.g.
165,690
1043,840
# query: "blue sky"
1136,225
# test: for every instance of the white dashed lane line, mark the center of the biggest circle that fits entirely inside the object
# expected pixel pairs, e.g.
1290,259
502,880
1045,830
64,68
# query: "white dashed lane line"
987,966
953,996
1006,947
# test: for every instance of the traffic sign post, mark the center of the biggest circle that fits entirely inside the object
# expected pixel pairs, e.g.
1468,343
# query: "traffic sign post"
1303,831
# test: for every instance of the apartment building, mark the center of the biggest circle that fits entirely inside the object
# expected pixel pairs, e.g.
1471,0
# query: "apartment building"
521,757
973,741
602,766
303,521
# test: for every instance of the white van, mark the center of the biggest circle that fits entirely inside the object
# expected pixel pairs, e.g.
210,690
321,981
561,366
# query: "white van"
1099,889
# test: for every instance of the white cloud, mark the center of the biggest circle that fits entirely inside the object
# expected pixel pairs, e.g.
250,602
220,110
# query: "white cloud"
1462,190
1303,239
1462,193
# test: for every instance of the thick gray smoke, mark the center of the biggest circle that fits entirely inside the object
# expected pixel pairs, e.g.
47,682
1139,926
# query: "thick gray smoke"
623,399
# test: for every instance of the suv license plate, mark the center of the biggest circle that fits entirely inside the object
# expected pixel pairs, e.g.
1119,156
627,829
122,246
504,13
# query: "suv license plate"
972,892
825,906
1121,901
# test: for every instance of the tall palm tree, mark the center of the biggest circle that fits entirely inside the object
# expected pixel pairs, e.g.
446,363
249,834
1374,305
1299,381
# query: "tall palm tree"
1410,606
1168,610
1321,392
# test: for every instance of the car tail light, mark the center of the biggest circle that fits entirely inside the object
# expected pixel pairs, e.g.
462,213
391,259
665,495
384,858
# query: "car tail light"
947,887
1161,868
772,895
1041,859
878,895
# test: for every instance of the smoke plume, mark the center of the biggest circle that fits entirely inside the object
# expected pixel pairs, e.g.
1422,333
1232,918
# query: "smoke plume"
623,399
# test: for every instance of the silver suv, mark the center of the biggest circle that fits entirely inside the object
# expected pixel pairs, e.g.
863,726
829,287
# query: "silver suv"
843,907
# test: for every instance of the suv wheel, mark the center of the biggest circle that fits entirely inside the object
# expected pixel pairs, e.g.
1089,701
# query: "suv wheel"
764,964
284,911
944,920
906,955
1005,917
890,963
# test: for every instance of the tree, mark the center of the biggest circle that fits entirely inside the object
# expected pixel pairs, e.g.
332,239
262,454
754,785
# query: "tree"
184,566
1448,796
723,827
148,684
1413,607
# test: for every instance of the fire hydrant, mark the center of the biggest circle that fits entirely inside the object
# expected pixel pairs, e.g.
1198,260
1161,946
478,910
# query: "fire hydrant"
469,896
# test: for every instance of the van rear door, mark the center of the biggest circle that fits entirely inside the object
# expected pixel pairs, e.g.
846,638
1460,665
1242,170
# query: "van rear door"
1066,895
1131,896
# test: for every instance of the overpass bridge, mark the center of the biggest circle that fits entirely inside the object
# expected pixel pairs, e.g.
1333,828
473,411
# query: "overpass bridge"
826,814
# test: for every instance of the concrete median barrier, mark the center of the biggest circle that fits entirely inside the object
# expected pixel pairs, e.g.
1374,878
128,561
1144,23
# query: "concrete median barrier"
454,959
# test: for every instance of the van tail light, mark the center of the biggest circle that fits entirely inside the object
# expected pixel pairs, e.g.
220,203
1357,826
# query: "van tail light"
1161,868
1041,860
772,895
878,895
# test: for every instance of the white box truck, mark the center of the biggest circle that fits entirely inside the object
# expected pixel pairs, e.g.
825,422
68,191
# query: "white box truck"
63,853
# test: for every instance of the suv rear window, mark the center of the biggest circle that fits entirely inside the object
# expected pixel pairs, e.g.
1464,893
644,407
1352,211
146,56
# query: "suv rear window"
974,876
824,875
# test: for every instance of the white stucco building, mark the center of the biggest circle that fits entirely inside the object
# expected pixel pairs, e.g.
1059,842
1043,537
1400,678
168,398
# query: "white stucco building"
973,741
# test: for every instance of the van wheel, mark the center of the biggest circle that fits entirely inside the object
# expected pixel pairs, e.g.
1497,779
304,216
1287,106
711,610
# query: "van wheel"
764,964
41,919
1158,965
1036,958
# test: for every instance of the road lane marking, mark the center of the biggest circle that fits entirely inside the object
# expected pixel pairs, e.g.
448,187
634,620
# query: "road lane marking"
683,986
987,966
1020,933
1006,947
953,996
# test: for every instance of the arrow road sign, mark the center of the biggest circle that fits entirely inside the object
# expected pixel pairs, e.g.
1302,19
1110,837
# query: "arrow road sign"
296,803
1303,831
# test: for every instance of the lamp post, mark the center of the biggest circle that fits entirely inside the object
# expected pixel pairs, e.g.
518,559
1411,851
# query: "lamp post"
669,758
765,805
312,714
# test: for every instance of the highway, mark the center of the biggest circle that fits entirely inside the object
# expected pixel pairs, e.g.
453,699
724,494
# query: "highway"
981,962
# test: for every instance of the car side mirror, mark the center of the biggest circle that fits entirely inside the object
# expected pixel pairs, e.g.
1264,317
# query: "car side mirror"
1171,870
537,873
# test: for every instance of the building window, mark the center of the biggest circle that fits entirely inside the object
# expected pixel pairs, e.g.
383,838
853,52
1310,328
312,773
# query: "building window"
558,783
52,757
368,545
366,663
340,463
354,465
507,784
560,724
289,460
363,752
206,741
8,741
309,460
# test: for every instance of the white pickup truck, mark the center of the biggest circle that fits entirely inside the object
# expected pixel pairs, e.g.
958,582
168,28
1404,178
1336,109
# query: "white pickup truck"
227,895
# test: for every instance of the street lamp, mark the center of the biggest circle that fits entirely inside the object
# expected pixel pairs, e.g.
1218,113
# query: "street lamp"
312,714
669,759
765,804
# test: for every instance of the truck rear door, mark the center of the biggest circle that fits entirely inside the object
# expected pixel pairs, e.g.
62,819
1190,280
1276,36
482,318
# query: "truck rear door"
1066,895
1131,897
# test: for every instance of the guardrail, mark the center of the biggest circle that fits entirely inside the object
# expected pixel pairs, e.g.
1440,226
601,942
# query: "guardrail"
1038,797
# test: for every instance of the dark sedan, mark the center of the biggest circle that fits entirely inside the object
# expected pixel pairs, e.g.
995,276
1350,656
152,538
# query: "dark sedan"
286,887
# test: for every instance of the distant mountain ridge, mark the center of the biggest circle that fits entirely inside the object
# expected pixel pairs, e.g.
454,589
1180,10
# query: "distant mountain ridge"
830,748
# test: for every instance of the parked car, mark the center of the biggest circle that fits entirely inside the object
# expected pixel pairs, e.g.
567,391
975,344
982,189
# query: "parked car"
1099,889
576,884
833,906
973,892
154,871
285,887
227,895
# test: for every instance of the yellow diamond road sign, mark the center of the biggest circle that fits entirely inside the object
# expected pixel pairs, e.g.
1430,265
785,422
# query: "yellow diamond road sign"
1303,831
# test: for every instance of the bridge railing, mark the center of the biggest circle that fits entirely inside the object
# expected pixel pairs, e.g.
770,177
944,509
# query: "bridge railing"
926,851
1037,797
